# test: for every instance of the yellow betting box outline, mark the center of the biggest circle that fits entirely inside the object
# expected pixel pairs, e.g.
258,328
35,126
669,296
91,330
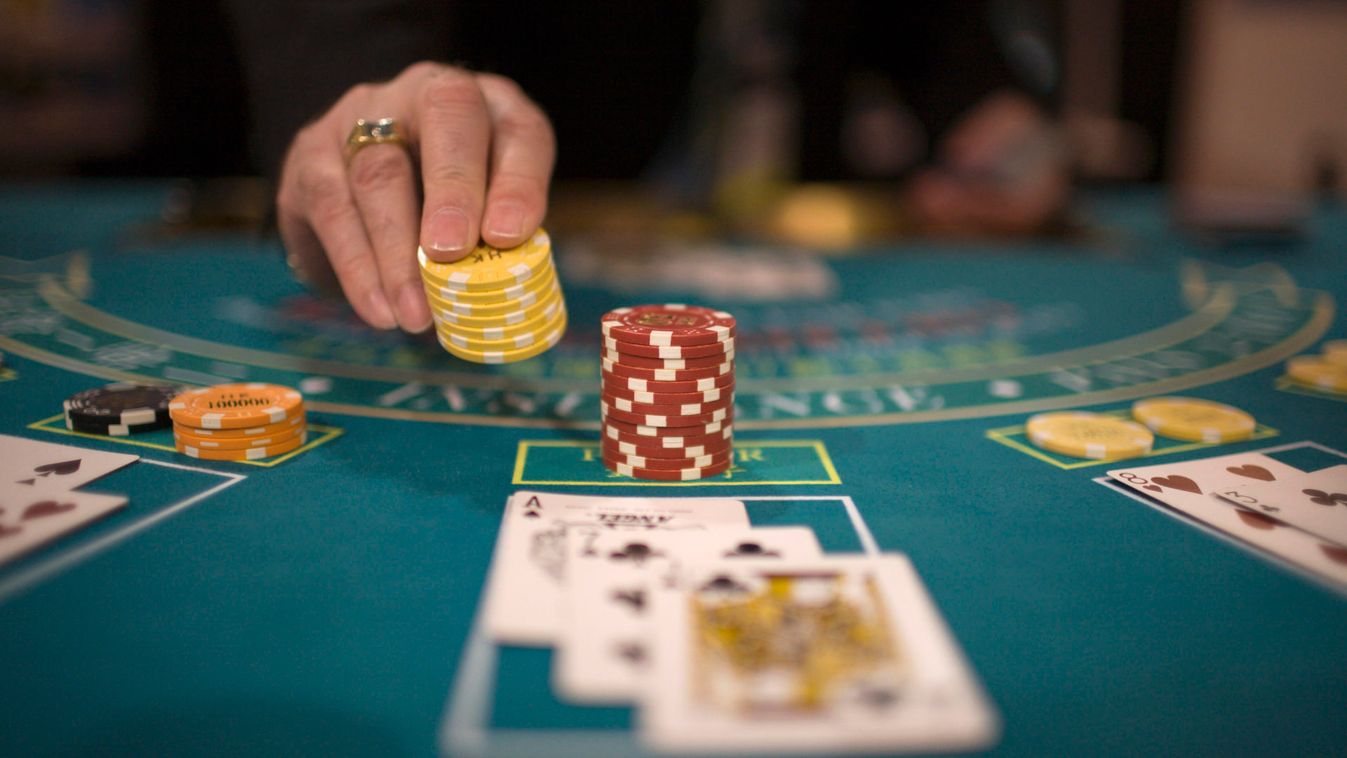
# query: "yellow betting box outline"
1011,437
825,460
1287,384
56,424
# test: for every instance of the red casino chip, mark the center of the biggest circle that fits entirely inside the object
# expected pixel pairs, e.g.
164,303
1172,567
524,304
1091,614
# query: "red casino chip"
617,431
652,419
677,432
637,461
668,352
715,394
665,409
670,324
669,475
651,450
667,375
613,382
674,363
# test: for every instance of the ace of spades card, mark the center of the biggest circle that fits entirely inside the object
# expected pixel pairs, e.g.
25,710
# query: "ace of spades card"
37,499
528,568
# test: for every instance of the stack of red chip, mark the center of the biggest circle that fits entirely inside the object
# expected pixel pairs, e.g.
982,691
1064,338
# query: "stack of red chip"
668,392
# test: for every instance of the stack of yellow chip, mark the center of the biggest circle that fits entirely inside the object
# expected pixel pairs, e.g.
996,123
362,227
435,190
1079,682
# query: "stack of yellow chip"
1193,419
1326,372
1089,435
497,306
238,422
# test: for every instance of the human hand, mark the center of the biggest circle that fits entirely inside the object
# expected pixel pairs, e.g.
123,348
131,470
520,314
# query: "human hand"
1002,170
477,165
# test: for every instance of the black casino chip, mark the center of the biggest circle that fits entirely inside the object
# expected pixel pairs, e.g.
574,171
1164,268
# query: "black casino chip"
120,409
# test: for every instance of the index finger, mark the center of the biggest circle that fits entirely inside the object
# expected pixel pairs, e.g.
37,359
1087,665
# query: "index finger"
523,151
454,135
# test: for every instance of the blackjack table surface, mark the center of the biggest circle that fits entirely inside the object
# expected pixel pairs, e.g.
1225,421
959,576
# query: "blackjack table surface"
326,601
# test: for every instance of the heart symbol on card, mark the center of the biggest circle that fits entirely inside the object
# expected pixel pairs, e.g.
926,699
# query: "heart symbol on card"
1252,472
1152,488
60,468
46,508
1178,482
9,531
1256,520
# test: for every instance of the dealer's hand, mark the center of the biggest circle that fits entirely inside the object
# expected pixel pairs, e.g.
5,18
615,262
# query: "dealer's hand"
1002,170
478,160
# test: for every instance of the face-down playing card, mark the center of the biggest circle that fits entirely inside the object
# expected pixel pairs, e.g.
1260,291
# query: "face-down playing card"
528,568
837,654
604,648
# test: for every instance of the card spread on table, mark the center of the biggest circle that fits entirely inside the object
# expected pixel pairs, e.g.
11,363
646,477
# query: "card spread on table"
1191,489
603,651
834,654
727,637
1314,502
523,595
37,501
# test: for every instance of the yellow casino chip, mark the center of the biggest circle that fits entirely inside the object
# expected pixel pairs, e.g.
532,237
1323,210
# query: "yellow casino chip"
508,315
503,338
1089,435
489,268
1193,419
544,342
1335,352
482,301
1313,371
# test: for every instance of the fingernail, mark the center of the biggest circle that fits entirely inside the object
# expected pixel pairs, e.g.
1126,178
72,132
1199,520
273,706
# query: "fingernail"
380,311
507,220
413,313
449,230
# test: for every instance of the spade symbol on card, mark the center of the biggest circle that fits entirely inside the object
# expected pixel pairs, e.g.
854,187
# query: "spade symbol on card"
1178,482
633,598
879,698
1252,472
723,585
751,550
46,508
60,468
633,552
533,508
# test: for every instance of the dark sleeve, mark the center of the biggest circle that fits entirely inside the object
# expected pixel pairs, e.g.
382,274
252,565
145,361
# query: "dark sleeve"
299,56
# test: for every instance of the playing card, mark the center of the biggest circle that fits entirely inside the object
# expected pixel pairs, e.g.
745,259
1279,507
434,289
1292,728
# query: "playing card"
28,466
1187,487
836,654
1315,502
603,650
523,595
31,519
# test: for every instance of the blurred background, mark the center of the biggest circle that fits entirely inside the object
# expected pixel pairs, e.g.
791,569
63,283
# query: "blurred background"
809,120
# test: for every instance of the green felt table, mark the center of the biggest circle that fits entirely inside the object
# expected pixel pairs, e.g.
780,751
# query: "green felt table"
326,603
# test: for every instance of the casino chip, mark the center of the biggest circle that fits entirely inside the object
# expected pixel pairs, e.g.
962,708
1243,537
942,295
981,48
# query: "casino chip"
1089,435
1319,373
238,422
120,409
496,306
667,395
1193,419
1335,352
